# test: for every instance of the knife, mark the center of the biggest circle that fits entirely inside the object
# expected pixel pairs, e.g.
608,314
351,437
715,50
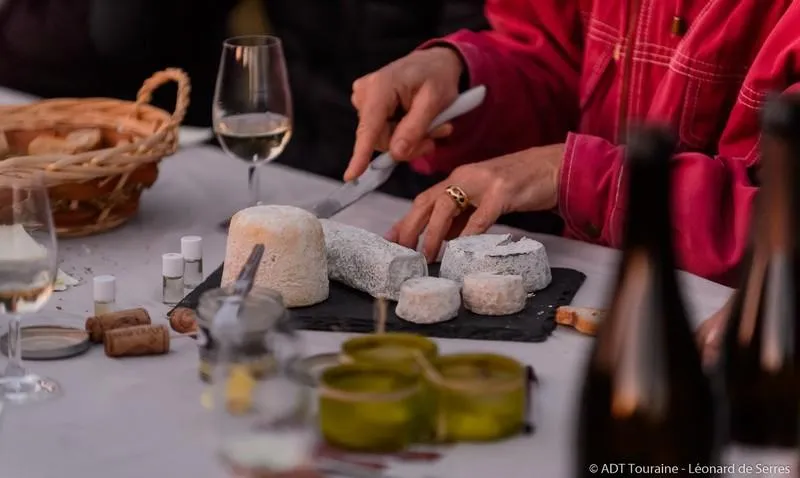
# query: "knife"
228,314
382,167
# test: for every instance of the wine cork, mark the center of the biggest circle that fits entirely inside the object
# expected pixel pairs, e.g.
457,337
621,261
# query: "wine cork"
100,325
139,340
183,321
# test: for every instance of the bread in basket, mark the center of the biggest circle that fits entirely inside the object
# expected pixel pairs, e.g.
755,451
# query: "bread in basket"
96,155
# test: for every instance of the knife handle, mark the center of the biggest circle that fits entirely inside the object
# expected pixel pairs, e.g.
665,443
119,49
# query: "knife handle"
466,102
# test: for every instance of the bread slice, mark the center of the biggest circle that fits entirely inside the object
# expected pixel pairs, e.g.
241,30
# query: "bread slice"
5,150
585,320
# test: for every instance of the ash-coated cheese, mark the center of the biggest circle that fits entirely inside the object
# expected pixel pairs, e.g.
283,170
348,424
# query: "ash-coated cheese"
487,293
368,262
500,254
428,300
294,263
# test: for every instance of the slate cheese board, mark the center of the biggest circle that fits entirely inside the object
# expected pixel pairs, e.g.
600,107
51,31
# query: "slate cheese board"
348,310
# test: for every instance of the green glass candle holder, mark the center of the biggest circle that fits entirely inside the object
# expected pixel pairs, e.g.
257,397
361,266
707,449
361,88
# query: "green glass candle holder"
371,408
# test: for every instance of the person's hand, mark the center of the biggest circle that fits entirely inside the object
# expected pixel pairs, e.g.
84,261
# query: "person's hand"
709,333
423,84
523,181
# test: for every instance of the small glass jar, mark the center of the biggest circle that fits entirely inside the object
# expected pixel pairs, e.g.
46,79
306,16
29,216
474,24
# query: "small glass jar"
371,408
479,397
260,315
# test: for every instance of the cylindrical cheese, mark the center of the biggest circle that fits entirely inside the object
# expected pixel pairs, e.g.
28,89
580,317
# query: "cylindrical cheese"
367,262
99,325
498,253
486,293
294,262
139,340
428,300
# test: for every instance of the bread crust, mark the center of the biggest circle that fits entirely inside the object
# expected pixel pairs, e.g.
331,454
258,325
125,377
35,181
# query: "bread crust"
585,320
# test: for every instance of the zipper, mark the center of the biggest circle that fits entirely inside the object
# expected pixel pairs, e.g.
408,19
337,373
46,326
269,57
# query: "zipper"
632,8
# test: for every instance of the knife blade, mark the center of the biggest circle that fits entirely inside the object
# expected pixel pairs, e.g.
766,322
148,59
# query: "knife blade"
381,168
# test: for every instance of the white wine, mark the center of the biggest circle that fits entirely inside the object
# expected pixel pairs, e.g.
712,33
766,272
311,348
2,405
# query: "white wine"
26,271
264,454
24,286
646,402
254,137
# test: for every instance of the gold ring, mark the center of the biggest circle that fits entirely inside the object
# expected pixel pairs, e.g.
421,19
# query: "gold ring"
458,196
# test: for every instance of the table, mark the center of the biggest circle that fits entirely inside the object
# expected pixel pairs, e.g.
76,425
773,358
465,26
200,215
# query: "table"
141,417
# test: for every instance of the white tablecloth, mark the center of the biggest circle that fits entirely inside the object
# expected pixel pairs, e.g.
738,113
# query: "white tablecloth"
141,417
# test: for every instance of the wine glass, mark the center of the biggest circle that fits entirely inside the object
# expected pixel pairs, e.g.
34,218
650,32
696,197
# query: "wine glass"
252,109
28,266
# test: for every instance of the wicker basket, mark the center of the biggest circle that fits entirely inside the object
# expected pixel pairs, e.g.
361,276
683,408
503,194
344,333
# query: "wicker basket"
97,190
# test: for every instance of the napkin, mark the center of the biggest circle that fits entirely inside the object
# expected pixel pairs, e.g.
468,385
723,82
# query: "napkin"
64,281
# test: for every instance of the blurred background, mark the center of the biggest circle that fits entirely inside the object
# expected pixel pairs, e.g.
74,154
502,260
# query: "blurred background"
83,48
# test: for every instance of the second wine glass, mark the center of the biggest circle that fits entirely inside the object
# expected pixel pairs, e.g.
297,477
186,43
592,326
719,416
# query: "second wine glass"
252,109
28,266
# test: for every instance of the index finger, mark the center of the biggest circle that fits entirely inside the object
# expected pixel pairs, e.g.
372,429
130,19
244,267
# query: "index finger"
379,103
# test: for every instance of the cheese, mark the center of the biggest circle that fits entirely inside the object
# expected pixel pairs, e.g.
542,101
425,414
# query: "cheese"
294,262
369,263
487,293
500,254
428,300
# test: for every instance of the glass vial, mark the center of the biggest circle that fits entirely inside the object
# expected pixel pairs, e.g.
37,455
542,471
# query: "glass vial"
192,251
105,294
172,278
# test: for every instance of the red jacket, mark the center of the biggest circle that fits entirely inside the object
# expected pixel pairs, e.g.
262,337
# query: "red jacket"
579,71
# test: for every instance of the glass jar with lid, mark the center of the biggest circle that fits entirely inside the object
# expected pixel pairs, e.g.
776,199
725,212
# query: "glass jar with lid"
264,322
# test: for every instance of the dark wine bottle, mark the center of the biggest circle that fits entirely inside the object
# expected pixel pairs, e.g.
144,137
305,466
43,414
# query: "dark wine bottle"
647,406
760,360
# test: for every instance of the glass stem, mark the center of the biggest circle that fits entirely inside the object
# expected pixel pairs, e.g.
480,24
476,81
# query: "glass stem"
252,180
14,367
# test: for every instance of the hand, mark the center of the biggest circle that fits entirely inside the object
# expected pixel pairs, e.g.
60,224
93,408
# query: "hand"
709,333
423,83
523,181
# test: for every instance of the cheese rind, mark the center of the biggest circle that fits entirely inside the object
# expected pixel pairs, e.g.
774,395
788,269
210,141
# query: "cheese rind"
294,262
487,293
500,254
369,263
428,300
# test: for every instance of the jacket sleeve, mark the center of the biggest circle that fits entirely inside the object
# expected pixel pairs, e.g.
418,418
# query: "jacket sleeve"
712,196
530,64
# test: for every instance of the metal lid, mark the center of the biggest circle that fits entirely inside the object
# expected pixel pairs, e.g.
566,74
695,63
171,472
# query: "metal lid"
49,342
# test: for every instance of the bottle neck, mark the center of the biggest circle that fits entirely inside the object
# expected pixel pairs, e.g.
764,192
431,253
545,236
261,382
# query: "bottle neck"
776,224
648,223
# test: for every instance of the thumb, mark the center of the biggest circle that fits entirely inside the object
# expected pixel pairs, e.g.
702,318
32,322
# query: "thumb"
413,128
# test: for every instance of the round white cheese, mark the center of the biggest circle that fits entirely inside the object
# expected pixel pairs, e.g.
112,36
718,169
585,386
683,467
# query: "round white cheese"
500,254
428,300
294,262
487,293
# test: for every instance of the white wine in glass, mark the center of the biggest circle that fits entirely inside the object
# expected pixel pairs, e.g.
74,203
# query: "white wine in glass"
252,109
28,266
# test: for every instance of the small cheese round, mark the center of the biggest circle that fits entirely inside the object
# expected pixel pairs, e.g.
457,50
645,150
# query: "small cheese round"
294,263
428,300
500,254
487,293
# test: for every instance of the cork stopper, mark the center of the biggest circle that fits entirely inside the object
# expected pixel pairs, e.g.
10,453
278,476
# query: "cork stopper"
139,340
99,325
183,321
